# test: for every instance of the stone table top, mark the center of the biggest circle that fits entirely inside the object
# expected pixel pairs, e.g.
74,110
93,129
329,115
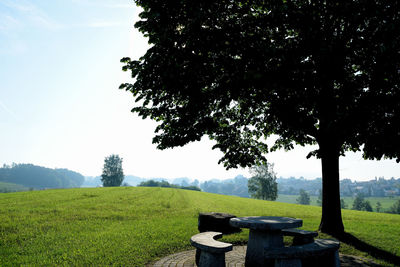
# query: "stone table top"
266,223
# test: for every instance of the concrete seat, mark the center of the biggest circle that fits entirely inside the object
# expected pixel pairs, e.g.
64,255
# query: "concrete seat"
210,252
300,237
321,252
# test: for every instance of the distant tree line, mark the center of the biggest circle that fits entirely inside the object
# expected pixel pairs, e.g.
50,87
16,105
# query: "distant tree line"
364,205
360,203
152,183
379,187
293,185
36,177
233,187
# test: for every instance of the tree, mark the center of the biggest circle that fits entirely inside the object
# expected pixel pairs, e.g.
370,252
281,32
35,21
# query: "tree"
378,206
113,174
361,204
367,206
358,202
395,208
304,198
163,183
319,200
311,72
263,184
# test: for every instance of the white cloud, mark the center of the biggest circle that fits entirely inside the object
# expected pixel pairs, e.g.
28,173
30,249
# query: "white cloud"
7,110
121,6
8,23
45,22
107,3
13,47
28,14
104,24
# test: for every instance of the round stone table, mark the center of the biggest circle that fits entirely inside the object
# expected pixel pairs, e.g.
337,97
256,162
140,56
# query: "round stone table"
265,232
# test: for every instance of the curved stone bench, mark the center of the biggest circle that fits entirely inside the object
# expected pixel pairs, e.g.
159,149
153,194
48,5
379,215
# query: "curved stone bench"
210,252
300,237
322,252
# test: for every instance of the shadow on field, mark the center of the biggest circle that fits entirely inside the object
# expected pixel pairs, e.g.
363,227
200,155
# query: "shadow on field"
365,247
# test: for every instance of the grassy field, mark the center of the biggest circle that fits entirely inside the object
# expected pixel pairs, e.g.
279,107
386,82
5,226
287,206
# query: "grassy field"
386,202
135,225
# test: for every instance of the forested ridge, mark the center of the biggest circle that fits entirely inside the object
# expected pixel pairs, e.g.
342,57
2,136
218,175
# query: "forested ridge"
37,177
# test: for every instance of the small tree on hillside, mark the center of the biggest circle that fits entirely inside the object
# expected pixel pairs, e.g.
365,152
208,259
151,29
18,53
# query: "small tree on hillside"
263,184
113,174
367,206
358,202
361,204
395,208
304,198
378,206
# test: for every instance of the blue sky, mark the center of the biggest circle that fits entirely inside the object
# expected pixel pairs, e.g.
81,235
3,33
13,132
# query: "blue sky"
60,105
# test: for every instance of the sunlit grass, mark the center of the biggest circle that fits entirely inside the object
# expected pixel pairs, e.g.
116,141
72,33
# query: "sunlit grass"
133,226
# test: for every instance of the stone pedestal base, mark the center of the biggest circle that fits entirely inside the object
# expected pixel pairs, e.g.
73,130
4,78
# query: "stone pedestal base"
258,242
208,259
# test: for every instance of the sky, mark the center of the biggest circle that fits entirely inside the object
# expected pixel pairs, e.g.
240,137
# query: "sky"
60,106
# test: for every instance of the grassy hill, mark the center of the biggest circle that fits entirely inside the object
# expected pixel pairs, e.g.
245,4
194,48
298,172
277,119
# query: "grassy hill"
132,226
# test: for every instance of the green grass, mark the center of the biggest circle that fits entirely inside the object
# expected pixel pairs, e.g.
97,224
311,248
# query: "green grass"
135,225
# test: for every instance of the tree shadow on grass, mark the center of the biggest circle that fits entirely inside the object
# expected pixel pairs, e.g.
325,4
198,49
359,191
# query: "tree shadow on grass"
365,247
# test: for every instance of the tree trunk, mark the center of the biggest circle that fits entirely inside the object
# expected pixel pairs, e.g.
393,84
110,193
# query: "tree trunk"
331,221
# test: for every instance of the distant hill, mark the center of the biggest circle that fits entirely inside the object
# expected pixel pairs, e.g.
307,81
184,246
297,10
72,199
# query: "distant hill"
37,177
184,181
91,181
292,185
133,180
129,180
234,187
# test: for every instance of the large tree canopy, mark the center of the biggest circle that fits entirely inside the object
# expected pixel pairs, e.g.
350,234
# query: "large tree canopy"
312,72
